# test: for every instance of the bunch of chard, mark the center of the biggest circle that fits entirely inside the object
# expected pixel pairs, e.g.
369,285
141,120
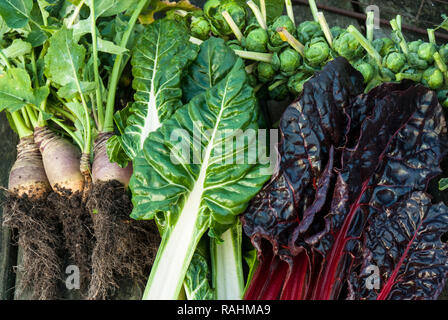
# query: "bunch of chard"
346,214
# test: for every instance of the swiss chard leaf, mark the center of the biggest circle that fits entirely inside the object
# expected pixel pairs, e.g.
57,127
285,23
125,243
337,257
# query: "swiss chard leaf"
417,267
390,146
189,195
214,62
159,59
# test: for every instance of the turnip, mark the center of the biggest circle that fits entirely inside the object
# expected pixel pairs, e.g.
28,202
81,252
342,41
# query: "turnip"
27,210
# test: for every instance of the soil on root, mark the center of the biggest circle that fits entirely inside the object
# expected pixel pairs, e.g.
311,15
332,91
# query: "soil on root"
39,236
77,229
125,248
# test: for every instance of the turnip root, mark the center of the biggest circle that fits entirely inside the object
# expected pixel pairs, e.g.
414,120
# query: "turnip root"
27,210
103,170
125,248
62,162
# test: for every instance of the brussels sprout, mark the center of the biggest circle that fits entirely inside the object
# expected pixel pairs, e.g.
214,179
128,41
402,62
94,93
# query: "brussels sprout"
383,46
444,53
200,28
317,51
252,80
426,52
443,97
416,62
266,72
395,61
336,31
290,60
433,78
279,93
257,40
414,45
213,11
366,70
296,82
234,45
280,22
347,46
308,30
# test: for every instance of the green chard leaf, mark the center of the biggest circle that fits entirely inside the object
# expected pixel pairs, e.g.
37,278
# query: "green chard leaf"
116,153
160,57
214,62
189,194
198,278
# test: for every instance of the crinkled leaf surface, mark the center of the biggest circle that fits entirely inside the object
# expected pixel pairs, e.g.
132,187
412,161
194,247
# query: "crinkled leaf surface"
161,187
404,244
388,151
214,62
159,60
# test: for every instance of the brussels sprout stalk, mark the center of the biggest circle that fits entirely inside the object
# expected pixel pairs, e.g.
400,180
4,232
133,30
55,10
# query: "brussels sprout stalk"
255,56
314,9
293,42
263,11
325,28
181,13
235,29
396,26
257,13
277,84
370,25
290,11
366,45
432,36
441,65
196,41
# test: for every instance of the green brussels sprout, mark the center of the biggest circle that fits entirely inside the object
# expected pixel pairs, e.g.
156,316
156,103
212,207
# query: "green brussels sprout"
395,61
366,70
336,31
426,52
213,11
383,46
415,61
234,45
414,45
433,78
443,51
279,93
317,51
252,80
308,30
443,97
266,72
347,46
290,60
280,22
257,40
296,82
200,28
